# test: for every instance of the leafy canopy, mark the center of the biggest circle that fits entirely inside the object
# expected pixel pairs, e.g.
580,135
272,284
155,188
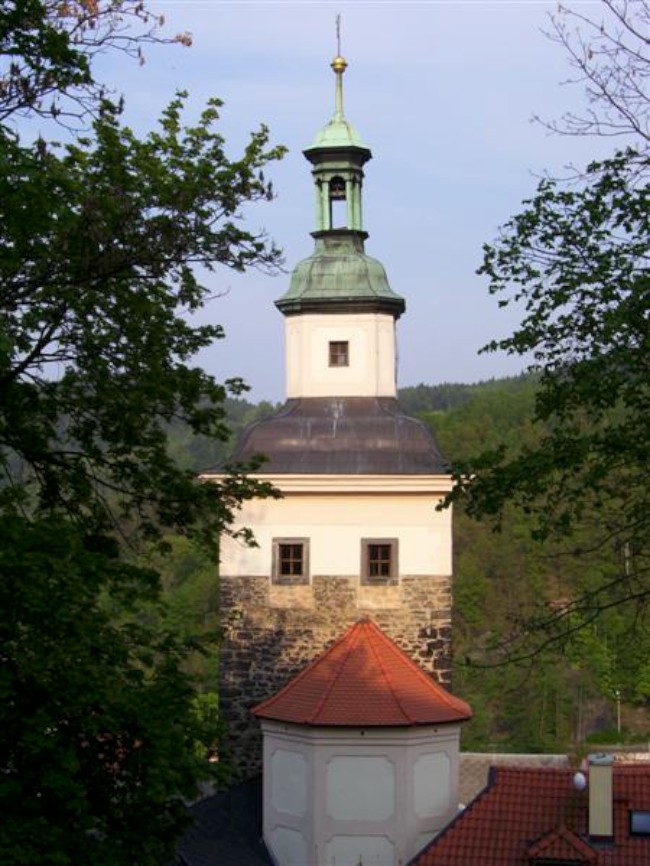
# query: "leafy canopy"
101,241
97,740
47,48
98,253
576,260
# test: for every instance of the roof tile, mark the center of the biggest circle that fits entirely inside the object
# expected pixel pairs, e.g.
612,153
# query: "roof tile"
527,815
364,680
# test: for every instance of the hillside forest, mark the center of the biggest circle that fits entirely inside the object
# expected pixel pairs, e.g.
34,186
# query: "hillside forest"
534,687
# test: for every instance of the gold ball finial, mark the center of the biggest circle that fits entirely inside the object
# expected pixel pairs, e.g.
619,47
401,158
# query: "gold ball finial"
339,64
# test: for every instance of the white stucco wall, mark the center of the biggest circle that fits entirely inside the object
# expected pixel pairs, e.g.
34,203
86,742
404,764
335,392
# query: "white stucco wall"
360,788
289,846
336,519
372,368
289,773
375,850
432,784
375,793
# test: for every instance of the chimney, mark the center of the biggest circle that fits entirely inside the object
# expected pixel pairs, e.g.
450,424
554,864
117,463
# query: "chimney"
601,823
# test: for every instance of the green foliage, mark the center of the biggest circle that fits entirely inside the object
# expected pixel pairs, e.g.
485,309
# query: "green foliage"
539,673
488,412
440,398
190,586
200,453
98,735
433,398
102,735
576,258
95,345
47,48
609,737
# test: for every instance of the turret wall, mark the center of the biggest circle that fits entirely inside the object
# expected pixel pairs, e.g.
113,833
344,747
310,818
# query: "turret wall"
370,369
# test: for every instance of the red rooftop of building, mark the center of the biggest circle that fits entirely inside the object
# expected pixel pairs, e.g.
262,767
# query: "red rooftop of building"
364,680
536,817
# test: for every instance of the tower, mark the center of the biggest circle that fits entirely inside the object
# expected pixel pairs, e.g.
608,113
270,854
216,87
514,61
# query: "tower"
356,532
361,754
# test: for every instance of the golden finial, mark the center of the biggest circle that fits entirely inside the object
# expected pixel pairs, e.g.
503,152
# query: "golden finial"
339,64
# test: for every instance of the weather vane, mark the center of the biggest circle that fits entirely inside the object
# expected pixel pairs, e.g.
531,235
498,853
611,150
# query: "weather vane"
338,34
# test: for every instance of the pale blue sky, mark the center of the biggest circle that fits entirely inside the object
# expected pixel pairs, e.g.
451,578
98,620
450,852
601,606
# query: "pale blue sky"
442,93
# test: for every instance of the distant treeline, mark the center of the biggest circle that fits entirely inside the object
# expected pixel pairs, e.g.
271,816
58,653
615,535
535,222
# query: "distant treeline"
200,453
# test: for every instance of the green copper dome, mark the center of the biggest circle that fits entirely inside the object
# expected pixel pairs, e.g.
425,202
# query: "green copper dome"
340,276
337,133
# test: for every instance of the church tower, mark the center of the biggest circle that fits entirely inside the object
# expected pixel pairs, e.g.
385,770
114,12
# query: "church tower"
356,532
340,310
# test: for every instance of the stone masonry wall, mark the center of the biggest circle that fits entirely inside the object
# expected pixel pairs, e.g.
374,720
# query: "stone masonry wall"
271,632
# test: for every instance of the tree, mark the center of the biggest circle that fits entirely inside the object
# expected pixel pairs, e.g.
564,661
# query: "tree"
47,48
610,55
97,254
100,240
577,261
98,737
506,582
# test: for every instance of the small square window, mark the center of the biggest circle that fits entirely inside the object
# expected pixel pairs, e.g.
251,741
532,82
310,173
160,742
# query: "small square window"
339,353
290,561
379,561
640,822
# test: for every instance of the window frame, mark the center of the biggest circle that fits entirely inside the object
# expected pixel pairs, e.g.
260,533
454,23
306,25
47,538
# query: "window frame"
639,817
334,355
289,579
390,579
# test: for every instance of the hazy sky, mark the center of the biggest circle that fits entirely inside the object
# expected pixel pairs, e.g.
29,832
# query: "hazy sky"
442,93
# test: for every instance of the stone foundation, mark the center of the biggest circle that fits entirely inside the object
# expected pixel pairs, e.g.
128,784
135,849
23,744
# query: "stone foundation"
270,633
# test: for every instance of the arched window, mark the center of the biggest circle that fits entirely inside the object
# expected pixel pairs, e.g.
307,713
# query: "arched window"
338,204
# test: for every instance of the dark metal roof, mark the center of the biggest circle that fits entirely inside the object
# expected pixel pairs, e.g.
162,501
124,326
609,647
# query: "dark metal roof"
226,829
342,436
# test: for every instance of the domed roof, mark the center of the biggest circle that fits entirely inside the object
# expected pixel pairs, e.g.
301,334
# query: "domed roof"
337,133
341,435
339,272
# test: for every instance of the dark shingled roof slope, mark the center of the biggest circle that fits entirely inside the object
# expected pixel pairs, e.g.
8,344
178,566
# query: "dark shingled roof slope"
226,829
342,435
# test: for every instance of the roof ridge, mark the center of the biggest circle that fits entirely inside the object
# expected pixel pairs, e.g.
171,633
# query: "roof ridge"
564,835
335,679
446,696
389,684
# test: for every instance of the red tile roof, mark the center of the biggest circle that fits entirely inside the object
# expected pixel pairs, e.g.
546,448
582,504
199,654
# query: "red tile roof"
363,680
530,816
562,845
